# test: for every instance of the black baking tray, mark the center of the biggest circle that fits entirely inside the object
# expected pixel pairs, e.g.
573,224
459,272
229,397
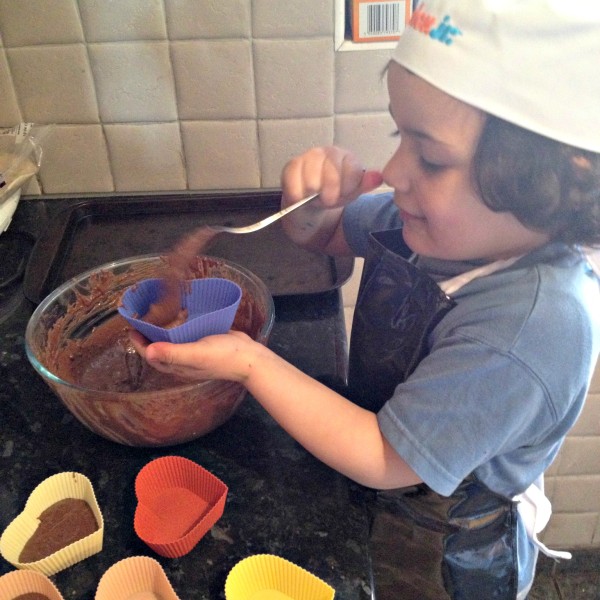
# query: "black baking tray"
99,230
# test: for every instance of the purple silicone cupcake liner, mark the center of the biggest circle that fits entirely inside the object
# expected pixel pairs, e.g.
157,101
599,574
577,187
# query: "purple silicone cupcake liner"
211,306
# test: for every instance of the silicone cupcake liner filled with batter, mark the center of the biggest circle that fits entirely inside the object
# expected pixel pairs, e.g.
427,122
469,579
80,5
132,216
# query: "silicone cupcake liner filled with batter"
35,540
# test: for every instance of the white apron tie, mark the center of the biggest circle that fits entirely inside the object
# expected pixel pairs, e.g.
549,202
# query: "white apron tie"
535,511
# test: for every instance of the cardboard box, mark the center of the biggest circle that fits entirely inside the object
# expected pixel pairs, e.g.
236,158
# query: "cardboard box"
379,21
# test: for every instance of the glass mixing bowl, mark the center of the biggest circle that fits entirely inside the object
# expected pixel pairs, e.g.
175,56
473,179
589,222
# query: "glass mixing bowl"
79,344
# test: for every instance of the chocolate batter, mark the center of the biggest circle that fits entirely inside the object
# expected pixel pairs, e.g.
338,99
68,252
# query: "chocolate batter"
61,524
106,361
167,311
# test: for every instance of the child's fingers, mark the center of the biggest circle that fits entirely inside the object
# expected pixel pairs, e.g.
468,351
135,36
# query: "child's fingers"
370,181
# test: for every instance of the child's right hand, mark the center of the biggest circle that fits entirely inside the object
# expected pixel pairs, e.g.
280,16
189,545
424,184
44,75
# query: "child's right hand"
336,174
339,177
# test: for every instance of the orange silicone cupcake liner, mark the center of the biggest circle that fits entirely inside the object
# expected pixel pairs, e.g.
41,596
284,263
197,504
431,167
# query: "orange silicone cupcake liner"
178,502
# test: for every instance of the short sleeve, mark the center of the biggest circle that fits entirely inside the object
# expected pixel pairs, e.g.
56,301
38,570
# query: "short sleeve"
448,419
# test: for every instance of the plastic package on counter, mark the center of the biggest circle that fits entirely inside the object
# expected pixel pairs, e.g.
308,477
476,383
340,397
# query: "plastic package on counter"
20,159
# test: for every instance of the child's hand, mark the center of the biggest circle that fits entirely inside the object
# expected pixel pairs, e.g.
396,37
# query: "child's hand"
334,172
339,178
228,356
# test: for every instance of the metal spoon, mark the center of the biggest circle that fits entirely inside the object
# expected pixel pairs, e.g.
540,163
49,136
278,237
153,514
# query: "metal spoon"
134,365
266,221
181,257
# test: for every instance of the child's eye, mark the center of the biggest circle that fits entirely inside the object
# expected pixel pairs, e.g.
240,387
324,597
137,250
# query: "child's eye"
430,167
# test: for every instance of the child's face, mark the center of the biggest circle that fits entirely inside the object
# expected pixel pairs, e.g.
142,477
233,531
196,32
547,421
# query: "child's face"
430,172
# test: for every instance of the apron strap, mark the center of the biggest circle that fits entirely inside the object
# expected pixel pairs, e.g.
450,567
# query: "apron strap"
455,283
592,255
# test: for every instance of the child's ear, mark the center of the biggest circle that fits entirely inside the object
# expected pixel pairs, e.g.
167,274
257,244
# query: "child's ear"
581,167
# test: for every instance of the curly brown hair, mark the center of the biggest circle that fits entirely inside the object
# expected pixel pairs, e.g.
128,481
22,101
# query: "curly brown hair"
549,186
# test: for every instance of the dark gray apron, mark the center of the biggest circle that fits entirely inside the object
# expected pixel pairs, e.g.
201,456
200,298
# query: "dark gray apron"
459,547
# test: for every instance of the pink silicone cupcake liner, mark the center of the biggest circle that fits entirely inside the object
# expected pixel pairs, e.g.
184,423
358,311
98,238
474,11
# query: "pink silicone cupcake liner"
19,583
211,305
178,502
135,577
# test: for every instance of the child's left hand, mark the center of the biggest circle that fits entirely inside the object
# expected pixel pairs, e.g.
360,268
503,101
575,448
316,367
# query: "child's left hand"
227,356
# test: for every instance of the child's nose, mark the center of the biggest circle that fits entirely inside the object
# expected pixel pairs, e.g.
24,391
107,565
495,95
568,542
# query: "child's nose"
396,172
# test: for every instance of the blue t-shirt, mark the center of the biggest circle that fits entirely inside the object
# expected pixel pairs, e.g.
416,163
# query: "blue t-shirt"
508,367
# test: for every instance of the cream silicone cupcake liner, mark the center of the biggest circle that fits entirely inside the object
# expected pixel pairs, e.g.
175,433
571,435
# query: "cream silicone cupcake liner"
18,583
21,529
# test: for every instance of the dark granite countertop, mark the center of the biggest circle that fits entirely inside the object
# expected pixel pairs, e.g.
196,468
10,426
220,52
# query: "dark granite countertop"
281,500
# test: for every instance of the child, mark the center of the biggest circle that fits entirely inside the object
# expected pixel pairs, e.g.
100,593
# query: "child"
477,325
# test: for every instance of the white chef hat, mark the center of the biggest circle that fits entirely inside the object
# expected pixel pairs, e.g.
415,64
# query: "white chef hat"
534,63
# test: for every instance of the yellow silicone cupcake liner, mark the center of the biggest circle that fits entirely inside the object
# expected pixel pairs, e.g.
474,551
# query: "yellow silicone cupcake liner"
50,491
270,577
135,577
18,583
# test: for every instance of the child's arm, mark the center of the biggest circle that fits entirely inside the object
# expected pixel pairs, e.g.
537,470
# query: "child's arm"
338,432
339,178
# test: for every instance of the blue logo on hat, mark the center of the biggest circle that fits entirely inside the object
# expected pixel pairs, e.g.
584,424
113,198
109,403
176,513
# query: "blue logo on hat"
426,23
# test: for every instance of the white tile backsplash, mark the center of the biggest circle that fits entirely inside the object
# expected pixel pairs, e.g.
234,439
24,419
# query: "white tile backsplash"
577,493
282,139
146,156
8,99
589,420
293,18
214,79
579,455
571,530
221,154
120,20
360,82
54,83
167,95
76,158
286,85
595,382
134,81
38,22
194,19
